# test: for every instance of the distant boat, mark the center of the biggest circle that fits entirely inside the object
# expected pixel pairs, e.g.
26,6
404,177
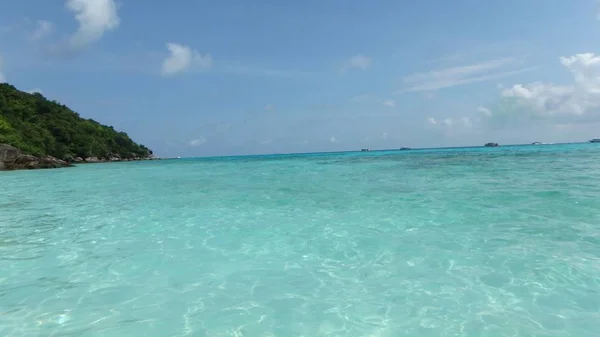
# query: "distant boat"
595,140
405,148
492,145
536,143
365,150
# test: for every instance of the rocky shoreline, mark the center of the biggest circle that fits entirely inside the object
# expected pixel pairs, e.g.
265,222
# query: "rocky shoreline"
92,160
11,158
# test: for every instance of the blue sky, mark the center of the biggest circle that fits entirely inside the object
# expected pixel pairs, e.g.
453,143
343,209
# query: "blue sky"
197,78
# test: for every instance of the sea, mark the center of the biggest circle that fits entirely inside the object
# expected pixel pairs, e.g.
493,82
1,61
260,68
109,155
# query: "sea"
478,242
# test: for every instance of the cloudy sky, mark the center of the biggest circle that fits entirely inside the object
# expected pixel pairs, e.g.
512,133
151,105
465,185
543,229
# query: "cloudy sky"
196,78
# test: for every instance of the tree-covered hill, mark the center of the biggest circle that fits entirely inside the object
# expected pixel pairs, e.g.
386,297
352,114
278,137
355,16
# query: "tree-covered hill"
41,127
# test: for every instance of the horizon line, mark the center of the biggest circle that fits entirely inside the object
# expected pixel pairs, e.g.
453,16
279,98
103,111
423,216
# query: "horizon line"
377,150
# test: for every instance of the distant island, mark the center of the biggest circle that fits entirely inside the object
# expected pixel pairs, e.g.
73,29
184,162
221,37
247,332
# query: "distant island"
38,133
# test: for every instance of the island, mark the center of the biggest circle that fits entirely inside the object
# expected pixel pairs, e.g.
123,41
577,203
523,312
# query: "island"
39,133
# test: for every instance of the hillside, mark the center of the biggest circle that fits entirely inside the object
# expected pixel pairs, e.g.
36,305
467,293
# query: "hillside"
40,127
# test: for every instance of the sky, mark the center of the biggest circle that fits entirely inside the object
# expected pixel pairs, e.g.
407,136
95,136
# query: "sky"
230,77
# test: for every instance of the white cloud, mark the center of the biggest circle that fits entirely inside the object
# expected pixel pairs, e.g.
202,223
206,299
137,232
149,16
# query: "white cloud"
43,29
333,140
247,70
358,62
384,135
361,98
198,142
95,17
269,107
576,99
266,142
450,77
183,58
465,121
460,122
390,102
483,110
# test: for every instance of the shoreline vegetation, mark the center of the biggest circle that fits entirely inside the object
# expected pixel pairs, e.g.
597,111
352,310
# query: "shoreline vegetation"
38,133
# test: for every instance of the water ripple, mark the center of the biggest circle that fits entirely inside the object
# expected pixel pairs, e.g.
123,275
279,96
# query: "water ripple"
468,242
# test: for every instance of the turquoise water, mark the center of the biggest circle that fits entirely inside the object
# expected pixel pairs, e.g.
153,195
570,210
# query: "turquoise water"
462,242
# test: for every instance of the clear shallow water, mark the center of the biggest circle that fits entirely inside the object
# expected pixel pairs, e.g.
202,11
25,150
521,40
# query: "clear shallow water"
464,242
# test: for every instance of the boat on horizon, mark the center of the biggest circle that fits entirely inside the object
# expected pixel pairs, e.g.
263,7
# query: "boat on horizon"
492,145
365,150
595,140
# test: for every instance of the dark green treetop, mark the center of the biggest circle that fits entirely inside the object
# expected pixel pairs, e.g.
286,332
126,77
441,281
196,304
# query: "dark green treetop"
41,127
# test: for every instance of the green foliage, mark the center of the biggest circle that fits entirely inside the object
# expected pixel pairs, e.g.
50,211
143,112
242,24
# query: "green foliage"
40,127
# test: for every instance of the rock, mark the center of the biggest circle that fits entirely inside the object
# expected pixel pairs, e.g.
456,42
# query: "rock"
92,160
22,162
11,158
78,159
25,161
51,162
8,154
31,162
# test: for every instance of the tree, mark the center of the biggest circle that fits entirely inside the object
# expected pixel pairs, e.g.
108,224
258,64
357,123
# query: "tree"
40,127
